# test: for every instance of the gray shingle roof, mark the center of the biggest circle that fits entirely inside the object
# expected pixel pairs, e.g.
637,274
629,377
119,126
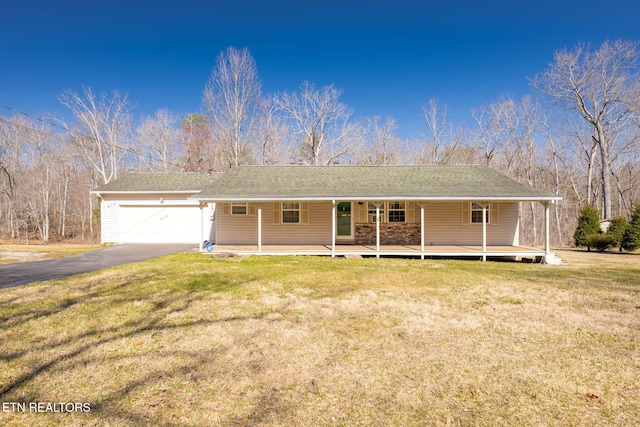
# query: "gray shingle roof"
144,182
247,183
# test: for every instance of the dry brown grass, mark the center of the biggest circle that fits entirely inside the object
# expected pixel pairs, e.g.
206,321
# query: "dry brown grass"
188,340
12,253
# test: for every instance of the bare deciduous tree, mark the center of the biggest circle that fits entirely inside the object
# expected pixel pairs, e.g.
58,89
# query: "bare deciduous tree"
486,138
600,85
230,98
201,154
321,123
14,137
39,182
101,129
159,142
380,145
272,135
441,141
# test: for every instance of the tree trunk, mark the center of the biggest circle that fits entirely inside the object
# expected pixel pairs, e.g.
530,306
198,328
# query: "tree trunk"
605,152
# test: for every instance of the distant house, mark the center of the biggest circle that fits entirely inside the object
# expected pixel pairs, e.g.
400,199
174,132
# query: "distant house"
156,208
465,211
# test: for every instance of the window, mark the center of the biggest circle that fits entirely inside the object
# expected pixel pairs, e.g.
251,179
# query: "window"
238,208
397,211
476,213
389,212
291,213
371,209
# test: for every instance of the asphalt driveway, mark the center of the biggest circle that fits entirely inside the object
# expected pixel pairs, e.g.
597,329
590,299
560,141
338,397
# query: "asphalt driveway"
37,271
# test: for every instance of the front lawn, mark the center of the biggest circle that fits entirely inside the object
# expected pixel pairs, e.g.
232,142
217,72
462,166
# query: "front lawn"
189,340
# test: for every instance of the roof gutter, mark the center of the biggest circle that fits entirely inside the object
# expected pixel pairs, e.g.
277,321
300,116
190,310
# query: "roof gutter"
98,192
403,198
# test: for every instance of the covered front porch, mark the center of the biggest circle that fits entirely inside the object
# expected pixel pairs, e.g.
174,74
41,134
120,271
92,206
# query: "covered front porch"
340,239
451,251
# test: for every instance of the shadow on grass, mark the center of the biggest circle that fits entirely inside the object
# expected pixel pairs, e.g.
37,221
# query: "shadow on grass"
157,316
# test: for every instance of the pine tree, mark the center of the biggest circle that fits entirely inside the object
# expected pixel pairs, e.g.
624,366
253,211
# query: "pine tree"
588,224
631,238
617,228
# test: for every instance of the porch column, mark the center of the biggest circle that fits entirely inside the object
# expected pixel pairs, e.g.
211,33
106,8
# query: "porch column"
422,205
378,230
547,246
201,227
484,206
259,227
333,229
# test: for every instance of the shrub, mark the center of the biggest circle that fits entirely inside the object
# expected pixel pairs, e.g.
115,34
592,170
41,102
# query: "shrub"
588,224
601,242
617,228
631,237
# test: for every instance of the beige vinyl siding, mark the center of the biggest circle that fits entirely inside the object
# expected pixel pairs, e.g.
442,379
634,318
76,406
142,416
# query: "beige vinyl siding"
243,230
444,224
236,229
110,221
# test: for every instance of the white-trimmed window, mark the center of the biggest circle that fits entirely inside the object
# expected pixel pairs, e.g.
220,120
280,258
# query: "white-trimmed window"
239,209
389,212
371,213
476,213
291,213
397,212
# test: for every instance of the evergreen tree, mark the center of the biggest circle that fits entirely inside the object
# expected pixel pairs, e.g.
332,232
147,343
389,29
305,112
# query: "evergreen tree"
617,228
588,224
631,238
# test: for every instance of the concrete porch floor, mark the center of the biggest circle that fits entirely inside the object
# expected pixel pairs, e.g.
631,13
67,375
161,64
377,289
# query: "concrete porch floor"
385,250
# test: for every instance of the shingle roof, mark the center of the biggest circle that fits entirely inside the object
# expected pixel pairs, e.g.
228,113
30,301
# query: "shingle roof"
249,183
144,182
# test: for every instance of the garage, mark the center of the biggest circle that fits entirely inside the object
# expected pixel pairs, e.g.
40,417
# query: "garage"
156,208
163,224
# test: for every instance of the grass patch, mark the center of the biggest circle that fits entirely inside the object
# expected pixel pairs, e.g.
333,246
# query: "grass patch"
23,253
187,340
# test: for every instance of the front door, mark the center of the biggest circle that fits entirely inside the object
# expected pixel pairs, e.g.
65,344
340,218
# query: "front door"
344,228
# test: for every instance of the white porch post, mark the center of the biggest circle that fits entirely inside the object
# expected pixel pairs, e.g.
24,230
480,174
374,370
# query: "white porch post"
259,227
201,227
377,230
547,246
422,230
484,206
333,229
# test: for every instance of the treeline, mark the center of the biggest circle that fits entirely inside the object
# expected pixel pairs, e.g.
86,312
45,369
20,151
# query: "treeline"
577,135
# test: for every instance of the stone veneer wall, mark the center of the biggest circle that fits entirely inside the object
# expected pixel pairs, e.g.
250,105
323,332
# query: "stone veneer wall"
390,234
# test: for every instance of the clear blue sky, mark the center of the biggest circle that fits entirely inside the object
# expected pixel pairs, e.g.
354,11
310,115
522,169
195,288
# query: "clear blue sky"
389,57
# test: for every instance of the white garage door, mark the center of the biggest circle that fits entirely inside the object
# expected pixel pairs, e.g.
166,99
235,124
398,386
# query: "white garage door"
160,224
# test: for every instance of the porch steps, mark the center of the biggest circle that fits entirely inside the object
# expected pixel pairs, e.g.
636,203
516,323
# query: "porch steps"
554,259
